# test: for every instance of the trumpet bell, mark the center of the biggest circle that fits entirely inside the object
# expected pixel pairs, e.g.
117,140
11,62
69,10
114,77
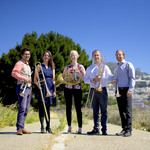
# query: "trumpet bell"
22,94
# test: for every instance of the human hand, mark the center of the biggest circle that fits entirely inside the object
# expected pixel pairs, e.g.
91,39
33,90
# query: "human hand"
114,82
129,93
28,80
54,95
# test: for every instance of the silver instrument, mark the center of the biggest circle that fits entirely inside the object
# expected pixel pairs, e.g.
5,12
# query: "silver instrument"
25,86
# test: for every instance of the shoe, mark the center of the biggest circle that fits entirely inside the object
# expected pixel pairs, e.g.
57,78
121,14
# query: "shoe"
80,131
94,132
104,133
19,132
42,130
26,132
121,133
127,134
69,129
49,130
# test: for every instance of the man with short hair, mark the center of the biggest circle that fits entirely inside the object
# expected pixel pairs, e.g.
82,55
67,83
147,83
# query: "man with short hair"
124,78
22,72
96,73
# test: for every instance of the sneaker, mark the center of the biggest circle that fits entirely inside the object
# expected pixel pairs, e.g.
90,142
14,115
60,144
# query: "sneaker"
80,131
121,133
94,132
127,134
69,129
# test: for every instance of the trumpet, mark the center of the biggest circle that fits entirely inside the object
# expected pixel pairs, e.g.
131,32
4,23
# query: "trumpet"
72,77
117,93
23,92
38,68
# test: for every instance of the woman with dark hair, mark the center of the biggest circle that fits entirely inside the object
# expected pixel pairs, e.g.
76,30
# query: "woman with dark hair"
48,68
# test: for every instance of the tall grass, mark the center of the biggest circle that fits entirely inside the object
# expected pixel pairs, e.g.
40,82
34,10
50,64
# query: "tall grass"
8,115
140,118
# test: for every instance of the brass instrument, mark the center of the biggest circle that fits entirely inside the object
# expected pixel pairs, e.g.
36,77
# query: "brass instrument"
23,92
98,88
38,68
117,89
101,67
72,77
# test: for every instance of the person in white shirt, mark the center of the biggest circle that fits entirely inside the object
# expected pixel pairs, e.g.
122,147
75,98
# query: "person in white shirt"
98,99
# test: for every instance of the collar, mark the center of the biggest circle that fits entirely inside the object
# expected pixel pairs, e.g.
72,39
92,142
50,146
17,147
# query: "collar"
122,62
25,62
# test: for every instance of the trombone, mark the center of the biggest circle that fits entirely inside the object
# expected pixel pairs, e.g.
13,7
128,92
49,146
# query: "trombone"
38,68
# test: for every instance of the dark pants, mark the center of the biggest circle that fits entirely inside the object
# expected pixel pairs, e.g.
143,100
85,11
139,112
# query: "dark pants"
42,114
125,109
24,103
99,102
77,93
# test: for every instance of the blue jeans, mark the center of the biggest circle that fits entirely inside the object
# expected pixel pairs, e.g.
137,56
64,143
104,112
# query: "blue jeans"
99,102
24,103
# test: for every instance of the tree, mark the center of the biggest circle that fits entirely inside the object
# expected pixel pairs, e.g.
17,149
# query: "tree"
60,46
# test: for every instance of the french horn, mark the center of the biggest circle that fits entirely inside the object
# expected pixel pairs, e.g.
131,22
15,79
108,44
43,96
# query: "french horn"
72,77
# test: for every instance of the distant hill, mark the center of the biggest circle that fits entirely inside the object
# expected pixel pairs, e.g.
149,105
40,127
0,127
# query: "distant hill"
138,73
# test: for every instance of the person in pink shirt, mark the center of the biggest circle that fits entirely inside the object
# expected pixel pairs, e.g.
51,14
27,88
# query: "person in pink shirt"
22,72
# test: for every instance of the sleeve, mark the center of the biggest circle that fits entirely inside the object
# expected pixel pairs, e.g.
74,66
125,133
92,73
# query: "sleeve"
87,76
16,70
108,75
131,77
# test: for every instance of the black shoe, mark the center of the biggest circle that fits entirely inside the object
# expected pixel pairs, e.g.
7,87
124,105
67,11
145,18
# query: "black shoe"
121,133
127,134
49,130
94,132
104,133
42,130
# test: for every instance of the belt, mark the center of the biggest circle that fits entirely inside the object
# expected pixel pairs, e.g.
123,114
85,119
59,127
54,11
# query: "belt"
123,88
103,88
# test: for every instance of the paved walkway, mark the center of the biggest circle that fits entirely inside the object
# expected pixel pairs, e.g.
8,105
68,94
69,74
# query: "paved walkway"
140,140
35,141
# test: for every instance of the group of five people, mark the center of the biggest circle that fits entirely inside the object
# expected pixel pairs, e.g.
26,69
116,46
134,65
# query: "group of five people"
123,78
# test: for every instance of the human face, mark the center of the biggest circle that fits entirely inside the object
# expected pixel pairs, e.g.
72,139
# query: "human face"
73,57
26,56
46,57
96,57
119,56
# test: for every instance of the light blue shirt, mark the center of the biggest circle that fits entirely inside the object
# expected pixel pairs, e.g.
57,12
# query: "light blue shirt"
92,71
124,74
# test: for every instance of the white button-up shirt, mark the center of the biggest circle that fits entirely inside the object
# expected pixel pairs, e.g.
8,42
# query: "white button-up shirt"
91,73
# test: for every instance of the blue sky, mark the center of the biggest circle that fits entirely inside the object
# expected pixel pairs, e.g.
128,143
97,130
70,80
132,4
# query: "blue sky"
106,25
